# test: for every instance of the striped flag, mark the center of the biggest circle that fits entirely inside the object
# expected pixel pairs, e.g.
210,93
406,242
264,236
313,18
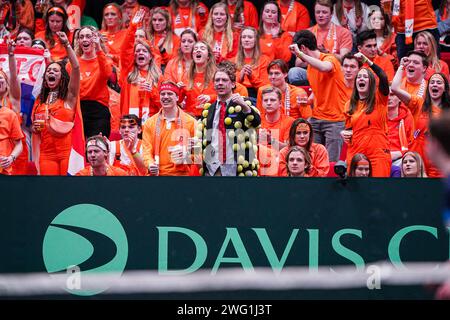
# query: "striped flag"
77,153
30,68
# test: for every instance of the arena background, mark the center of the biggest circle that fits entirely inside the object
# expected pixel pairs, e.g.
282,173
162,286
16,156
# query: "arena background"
94,7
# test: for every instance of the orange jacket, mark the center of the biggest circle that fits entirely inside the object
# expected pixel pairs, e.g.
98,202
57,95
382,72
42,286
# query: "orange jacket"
58,52
249,16
192,106
276,48
320,163
114,43
178,134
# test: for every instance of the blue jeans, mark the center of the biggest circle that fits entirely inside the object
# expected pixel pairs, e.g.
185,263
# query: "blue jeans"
297,76
328,133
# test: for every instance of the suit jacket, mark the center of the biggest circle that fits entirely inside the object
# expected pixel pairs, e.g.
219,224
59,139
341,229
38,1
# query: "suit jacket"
241,128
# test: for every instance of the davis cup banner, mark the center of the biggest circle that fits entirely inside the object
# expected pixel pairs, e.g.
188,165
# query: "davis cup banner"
30,68
185,227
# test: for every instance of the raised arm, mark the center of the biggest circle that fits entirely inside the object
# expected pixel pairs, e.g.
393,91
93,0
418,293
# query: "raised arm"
383,85
403,95
323,66
74,82
14,84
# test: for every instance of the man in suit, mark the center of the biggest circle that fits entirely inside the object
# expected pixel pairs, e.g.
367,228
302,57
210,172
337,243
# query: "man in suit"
228,129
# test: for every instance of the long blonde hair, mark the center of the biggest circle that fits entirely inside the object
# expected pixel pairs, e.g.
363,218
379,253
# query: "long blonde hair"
168,41
208,34
433,59
256,50
154,73
420,164
94,30
6,95
210,68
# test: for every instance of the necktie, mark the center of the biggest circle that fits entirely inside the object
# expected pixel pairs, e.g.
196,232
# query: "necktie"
222,130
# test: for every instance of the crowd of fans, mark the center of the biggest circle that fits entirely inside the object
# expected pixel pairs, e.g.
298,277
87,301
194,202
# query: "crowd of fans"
360,85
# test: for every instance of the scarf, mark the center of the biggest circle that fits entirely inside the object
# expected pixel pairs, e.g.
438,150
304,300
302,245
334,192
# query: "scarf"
330,42
409,18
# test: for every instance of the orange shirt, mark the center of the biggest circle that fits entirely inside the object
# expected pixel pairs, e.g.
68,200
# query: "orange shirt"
320,163
276,48
249,16
333,39
424,17
259,73
9,131
370,135
197,90
329,90
171,52
114,42
420,140
242,90
94,75
132,100
25,14
186,19
290,108
279,130
54,146
176,71
389,47
110,171
294,19
366,125
418,93
384,62
177,133
220,44
348,92
58,51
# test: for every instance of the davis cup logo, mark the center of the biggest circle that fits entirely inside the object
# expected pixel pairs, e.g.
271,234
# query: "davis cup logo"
82,240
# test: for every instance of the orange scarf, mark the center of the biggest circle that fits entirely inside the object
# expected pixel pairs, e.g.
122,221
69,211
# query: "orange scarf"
330,42
409,18
402,136
139,99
